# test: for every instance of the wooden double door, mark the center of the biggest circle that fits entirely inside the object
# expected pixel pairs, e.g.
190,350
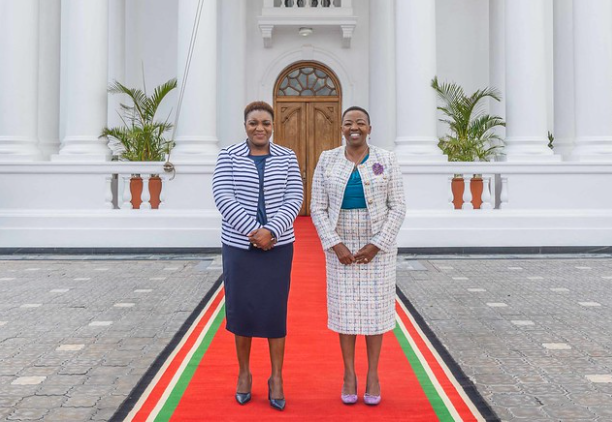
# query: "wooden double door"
308,125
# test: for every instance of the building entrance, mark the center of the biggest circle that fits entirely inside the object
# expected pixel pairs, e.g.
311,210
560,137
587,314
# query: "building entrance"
307,107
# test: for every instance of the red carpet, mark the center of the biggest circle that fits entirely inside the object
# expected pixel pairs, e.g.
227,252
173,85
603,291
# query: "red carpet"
313,366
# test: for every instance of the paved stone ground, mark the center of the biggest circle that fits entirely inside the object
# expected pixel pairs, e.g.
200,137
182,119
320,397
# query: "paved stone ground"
534,335
76,335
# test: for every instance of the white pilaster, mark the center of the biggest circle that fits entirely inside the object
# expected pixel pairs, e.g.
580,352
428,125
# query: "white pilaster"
116,57
593,80
382,73
49,78
85,93
19,80
415,29
233,79
196,131
526,105
497,62
565,129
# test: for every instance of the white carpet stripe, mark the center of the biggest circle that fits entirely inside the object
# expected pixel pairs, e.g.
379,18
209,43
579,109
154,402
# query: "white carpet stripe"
442,364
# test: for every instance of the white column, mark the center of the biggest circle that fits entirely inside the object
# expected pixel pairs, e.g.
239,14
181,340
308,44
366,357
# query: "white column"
85,93
196,132
19,80
564,130
382,73
116,58
233,79
593,80
49,78
497,63
415,29
526,113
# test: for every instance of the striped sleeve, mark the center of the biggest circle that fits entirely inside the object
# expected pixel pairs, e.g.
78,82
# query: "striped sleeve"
225,199
292,201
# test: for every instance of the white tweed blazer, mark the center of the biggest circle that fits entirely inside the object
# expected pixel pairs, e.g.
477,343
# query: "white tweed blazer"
383,188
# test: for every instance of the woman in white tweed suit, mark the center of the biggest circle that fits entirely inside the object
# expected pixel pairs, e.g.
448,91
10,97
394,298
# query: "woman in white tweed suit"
358,208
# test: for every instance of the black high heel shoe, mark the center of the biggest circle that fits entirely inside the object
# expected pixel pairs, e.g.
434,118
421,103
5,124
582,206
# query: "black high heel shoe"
278,404
243,398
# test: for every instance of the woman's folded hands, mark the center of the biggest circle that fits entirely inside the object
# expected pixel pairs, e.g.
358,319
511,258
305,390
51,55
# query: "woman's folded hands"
262,239
363,256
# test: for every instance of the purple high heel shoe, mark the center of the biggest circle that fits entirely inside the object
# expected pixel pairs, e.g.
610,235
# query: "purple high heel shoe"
349,398
370,399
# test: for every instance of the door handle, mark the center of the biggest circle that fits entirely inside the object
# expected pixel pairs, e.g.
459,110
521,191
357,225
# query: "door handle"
304,176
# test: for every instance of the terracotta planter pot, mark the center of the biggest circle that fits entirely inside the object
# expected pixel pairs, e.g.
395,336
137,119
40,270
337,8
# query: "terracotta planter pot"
155,187
458,187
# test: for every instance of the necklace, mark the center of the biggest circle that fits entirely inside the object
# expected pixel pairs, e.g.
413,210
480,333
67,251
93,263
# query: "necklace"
356,163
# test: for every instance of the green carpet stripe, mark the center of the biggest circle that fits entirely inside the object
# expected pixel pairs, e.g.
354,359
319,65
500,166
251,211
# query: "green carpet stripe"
177,392
430,391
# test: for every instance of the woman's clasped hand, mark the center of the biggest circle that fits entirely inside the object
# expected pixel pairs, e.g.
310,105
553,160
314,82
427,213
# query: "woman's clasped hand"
363,255
262,239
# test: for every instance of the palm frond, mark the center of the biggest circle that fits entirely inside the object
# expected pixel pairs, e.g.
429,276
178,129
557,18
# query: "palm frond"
470,127
141,138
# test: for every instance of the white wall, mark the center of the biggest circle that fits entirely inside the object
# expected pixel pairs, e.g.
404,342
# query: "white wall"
463,44
462,53
263,65
151,44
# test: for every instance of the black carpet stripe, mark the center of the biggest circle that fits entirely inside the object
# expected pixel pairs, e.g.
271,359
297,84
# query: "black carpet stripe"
463,380
129,403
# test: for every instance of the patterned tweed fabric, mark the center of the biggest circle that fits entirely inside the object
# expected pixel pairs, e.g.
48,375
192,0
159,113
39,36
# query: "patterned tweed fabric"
360,297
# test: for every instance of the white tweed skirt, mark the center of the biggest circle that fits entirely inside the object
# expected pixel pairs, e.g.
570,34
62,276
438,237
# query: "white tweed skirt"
360,297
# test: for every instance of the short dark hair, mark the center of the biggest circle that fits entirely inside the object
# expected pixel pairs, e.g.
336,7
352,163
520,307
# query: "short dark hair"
258,105
356,108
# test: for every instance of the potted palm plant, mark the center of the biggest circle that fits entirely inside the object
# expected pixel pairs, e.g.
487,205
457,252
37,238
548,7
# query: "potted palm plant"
141,138
471,136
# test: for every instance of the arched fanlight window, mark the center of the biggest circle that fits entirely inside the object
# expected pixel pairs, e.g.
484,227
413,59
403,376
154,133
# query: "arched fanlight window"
307,81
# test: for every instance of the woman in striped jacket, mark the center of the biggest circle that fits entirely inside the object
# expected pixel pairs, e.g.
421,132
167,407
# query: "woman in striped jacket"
258,189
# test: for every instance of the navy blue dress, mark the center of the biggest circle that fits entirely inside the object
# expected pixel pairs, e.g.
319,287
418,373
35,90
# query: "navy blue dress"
257,282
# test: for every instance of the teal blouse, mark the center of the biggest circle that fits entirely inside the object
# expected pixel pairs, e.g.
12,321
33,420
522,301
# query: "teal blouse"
354,197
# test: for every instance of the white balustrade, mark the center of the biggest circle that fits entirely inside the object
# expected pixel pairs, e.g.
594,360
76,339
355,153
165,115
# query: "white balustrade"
312,14
451,195
162,194
126,196
503,195
294,4
486,194
145,196
467,193
108,198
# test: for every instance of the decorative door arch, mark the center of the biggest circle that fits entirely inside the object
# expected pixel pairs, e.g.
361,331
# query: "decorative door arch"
307,106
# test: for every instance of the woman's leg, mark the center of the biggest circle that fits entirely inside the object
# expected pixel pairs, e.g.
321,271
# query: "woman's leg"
243,351
373,345
347,344
277,355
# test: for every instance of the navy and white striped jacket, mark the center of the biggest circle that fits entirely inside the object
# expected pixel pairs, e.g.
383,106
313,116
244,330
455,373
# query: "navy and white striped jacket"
236,193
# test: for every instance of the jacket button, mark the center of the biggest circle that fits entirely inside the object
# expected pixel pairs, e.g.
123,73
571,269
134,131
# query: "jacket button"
370,201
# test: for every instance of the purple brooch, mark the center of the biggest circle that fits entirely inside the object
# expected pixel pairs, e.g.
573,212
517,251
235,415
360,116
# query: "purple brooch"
378,169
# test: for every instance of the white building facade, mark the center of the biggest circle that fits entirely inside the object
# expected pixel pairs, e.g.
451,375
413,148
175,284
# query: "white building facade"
552,61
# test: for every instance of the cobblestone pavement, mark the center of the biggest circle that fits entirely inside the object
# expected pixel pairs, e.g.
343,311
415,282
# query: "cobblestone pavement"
76,336
534,335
